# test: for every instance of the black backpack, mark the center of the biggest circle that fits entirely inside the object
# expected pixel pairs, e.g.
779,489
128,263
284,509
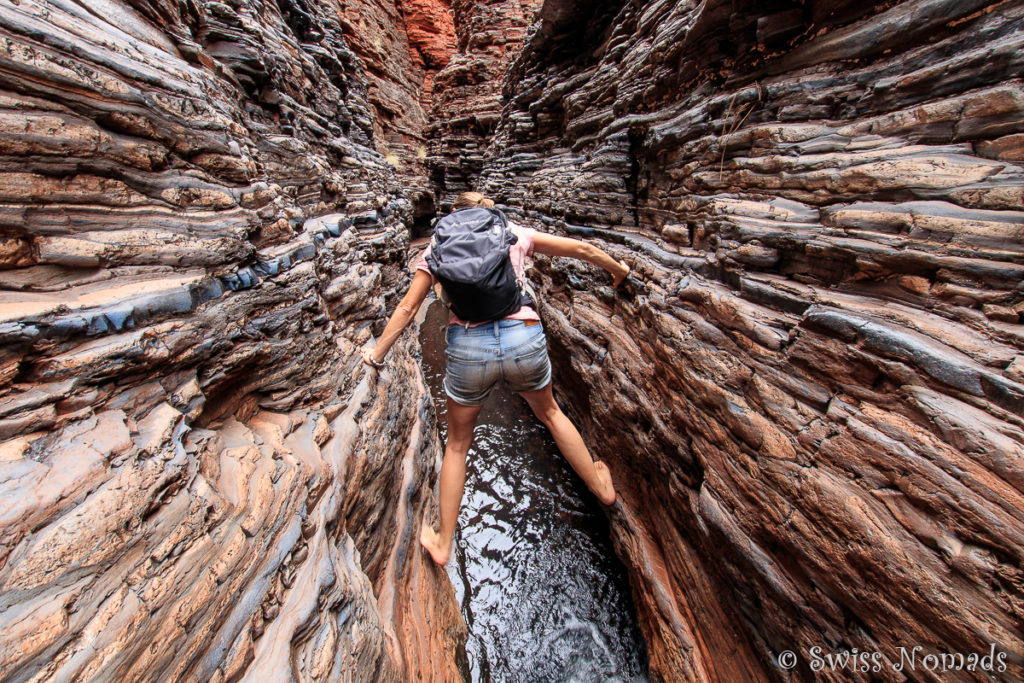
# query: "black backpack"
469,255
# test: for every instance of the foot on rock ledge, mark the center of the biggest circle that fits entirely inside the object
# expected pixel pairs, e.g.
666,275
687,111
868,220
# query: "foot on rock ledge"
606,492
431,540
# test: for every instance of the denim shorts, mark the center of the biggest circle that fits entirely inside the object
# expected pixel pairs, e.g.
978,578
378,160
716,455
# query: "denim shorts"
478,357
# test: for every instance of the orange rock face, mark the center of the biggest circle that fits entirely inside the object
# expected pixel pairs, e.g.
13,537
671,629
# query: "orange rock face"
402,46
467,92
431,30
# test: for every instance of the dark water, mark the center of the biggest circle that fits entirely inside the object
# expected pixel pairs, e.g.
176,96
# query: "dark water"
541,589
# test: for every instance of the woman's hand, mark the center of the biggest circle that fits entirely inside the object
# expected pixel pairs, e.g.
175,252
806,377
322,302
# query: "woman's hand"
370,360
620,277
400,319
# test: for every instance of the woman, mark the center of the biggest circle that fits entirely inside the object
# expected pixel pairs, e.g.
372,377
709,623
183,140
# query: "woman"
478,355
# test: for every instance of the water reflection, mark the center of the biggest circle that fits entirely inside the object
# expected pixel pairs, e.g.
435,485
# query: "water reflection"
543,593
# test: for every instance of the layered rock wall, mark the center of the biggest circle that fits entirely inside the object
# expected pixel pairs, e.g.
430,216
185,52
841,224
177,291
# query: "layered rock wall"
198,478
815,379
403,43
467,92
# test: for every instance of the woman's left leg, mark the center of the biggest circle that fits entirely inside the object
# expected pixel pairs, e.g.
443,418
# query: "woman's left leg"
594,473
461,421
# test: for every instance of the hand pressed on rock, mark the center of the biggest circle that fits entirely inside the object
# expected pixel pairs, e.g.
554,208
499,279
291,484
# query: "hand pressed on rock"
619,279
369,359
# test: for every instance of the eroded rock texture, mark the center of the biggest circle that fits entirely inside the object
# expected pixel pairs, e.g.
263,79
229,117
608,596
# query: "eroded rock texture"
403,43
467,92
198,478
816,391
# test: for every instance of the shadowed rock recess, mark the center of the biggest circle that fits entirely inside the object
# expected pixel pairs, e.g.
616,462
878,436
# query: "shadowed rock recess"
811,394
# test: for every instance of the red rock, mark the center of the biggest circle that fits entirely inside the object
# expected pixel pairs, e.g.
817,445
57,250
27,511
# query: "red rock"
466,101
186,426
1015,370
1009,148
431,30
915,284
805,454
1003,313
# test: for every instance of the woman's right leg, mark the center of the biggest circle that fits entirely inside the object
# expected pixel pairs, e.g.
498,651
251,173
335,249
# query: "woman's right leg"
461,421
594,473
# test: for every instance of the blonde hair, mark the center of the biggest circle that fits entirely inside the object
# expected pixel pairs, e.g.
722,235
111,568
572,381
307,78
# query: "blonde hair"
469,199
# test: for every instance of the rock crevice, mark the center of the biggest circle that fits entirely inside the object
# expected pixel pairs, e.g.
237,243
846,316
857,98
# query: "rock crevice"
811,391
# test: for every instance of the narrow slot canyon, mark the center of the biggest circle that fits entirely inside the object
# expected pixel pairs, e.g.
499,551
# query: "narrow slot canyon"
540,587
809,391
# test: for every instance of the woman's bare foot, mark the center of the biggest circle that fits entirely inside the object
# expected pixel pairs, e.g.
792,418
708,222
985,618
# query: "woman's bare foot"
606,494
431,540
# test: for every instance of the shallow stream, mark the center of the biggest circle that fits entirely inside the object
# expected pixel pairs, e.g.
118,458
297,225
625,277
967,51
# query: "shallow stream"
543,593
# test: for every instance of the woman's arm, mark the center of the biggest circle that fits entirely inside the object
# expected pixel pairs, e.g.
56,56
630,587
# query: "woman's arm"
553,245
401,318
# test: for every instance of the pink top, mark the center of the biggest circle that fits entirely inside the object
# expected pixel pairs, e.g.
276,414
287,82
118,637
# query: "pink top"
518,254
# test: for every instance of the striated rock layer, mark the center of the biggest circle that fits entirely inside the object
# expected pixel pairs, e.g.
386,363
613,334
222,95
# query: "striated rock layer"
199,480
467,92
815,387
403,44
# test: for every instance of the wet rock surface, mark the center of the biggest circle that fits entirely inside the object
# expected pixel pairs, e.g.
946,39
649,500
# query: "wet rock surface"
199,480
544,596
810,391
